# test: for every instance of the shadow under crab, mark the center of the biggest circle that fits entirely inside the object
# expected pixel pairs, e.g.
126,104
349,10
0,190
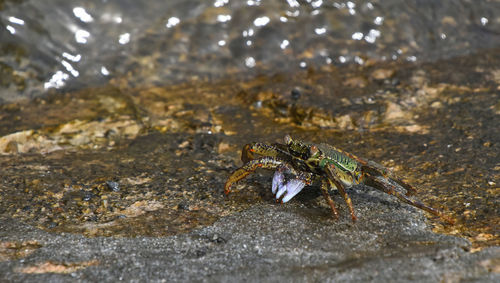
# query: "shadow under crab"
303,163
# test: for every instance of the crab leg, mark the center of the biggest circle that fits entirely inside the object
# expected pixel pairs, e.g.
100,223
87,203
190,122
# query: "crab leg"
263,149
390,189
249,167
333,179
336,184
376,169
328,198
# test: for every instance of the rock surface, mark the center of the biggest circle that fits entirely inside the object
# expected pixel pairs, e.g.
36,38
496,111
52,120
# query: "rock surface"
265,243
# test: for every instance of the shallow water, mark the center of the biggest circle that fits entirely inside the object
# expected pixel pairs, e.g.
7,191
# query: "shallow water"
55,44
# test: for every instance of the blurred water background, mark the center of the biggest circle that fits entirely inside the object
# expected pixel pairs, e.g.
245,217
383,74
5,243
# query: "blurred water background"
60,44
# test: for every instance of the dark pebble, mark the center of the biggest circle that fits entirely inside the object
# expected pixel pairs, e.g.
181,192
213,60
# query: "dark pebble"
114,186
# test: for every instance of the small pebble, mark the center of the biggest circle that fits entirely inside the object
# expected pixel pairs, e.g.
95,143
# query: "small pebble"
114,186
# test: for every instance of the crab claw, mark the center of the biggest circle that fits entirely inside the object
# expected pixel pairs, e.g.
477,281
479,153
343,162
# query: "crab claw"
292,188
281,190
278,180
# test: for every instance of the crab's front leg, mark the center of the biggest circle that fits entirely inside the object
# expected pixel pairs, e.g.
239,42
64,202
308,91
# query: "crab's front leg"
263,149
380,183
265,162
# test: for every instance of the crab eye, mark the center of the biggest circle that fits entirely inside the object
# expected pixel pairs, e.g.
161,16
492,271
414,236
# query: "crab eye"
313,150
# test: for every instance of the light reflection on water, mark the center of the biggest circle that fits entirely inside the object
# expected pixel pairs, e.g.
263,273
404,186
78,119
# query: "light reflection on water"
178,40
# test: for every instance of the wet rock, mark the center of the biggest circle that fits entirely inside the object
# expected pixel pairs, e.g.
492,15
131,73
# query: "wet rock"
382,74
355,82
11,250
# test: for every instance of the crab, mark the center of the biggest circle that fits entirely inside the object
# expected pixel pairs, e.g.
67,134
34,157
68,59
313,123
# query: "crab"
297,164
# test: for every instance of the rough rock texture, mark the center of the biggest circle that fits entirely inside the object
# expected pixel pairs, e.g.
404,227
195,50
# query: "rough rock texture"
269,242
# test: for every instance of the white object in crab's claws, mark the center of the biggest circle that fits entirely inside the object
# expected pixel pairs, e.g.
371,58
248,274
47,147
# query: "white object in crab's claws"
292,188
278,180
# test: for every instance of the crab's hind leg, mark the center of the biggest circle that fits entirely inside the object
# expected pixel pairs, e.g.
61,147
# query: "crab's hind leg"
391,190
374,169
249,167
